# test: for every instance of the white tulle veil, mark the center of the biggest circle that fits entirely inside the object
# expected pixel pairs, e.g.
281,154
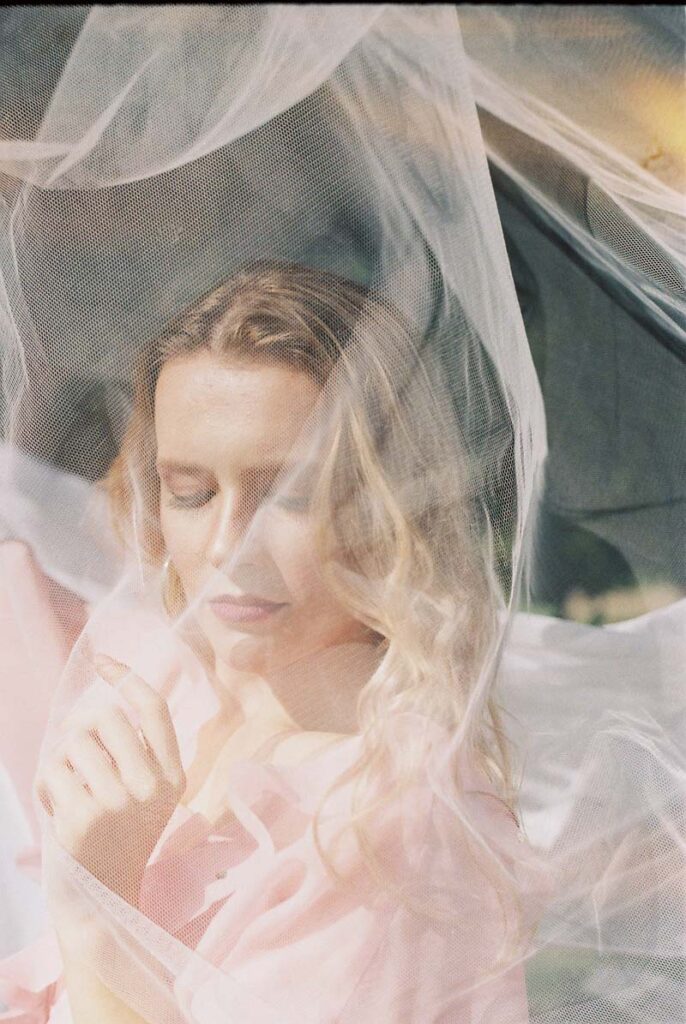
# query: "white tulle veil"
448,162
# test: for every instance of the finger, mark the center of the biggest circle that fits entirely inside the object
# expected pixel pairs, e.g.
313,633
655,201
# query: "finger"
135,764
83,782
156,724
92,731
93,764
65,791
87,720
155,720
84,649
113,672
110,669
43,795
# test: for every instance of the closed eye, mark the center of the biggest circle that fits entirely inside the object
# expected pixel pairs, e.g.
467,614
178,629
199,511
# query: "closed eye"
293,502
195,500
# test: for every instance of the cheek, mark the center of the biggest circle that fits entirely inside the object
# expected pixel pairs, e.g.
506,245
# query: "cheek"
317,617
185,539
292,550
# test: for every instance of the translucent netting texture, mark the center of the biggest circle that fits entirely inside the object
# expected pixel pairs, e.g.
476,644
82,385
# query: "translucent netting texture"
283,737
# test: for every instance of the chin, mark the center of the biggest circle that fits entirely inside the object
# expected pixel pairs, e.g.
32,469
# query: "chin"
239,649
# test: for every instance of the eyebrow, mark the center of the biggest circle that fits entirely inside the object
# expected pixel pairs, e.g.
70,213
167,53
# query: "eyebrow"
171,466
192,469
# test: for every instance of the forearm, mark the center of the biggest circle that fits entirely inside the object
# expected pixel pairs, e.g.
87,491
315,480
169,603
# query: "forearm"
89,998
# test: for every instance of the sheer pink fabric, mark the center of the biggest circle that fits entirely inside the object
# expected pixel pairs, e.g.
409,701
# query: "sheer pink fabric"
251,894
39,622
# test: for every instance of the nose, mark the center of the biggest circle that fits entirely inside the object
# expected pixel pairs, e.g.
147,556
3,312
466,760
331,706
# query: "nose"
237,534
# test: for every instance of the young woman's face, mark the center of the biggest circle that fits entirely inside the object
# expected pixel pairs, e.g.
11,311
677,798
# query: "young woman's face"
244,555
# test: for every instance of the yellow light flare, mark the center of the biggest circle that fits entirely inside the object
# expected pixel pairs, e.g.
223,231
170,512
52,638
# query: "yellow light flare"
658,108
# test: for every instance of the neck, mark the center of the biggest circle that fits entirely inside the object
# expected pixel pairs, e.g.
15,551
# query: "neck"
317,693
250,696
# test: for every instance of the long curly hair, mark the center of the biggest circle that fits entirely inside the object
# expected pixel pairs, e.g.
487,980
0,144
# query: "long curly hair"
393,508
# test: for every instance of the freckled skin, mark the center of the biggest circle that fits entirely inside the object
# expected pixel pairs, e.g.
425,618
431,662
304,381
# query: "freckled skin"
231,421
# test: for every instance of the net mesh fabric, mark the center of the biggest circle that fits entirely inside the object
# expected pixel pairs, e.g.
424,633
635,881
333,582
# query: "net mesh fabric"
580,115
147,156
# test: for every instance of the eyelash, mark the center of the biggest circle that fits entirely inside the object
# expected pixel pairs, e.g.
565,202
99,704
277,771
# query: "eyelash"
191,500
291,503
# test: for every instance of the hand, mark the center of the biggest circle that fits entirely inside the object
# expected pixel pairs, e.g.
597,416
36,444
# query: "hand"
110,791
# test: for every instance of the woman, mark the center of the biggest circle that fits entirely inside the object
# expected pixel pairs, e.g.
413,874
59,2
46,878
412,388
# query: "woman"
339,846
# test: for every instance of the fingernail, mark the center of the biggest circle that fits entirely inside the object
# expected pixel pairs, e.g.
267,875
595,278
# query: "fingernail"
109,668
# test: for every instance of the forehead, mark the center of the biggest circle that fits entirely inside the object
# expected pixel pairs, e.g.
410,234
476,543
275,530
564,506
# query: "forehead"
211,411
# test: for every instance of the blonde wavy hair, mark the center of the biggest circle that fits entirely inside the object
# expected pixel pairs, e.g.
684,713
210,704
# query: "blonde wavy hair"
394,501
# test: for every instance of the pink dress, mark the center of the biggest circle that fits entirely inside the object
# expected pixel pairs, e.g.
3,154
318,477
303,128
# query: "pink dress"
277,941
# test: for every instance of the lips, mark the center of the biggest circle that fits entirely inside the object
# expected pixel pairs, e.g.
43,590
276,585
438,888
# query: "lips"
246,608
